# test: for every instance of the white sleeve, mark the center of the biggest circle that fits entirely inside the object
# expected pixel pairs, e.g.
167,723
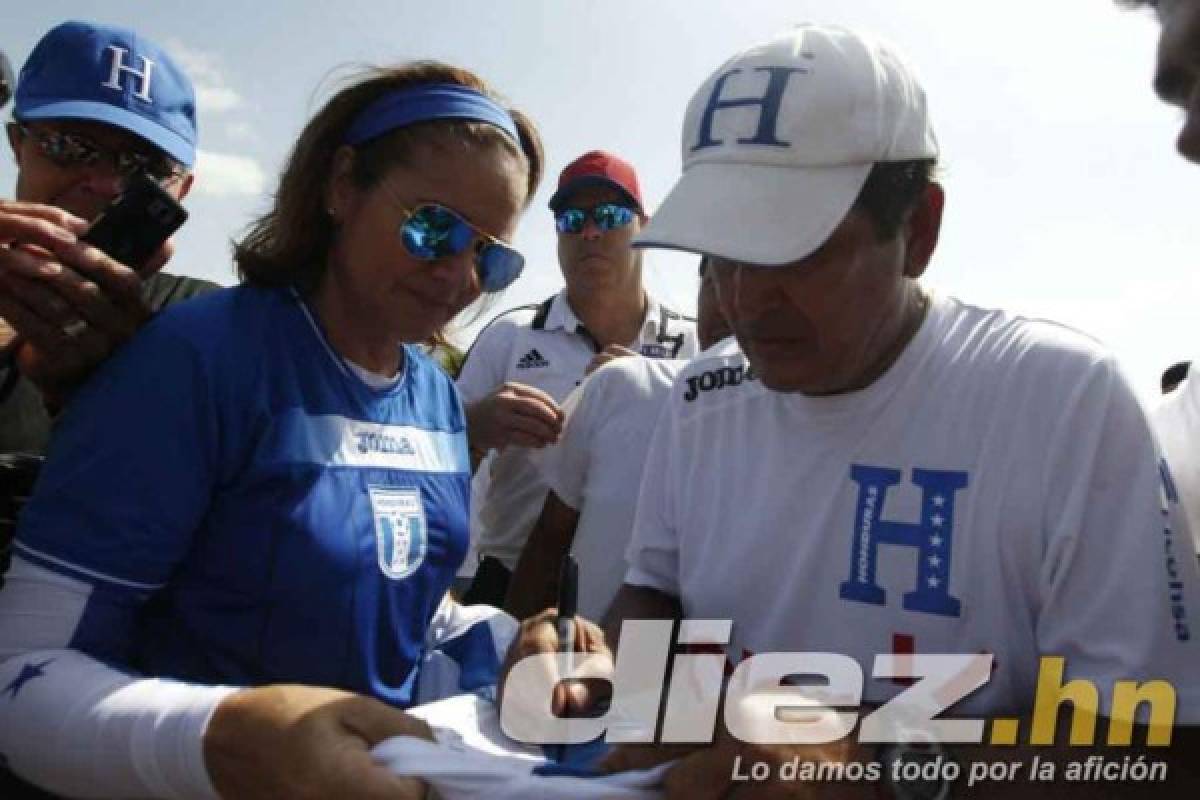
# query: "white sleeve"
564,465
1176,421
653,553
79,728
1119,584
486,363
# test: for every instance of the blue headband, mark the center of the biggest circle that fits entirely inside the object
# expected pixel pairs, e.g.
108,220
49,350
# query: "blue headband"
426,102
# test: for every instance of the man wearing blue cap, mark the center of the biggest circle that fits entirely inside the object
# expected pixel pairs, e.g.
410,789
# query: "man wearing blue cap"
94,105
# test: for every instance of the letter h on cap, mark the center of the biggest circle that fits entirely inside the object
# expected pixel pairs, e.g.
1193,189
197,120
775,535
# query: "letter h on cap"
119,66
769,103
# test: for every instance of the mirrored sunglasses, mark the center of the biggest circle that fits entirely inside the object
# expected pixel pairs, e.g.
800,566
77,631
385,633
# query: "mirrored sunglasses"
607,216
431,231
69,150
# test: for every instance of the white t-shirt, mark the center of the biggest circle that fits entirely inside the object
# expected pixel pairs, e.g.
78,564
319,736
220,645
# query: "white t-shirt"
596,467
997,491
549,348
1177,423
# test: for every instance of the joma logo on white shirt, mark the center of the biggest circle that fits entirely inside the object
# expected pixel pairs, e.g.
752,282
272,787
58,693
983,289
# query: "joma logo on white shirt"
717,379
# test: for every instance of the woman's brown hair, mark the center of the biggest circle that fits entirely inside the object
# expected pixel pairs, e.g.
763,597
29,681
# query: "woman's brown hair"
288,245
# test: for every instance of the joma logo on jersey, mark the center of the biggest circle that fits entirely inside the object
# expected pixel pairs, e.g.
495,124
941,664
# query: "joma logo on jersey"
717,379
369,442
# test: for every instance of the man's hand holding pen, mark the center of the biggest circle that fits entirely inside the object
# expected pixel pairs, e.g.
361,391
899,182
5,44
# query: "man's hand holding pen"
582,688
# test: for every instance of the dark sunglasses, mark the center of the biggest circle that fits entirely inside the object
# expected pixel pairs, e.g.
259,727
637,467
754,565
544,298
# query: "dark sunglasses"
69,150
431,231
606,216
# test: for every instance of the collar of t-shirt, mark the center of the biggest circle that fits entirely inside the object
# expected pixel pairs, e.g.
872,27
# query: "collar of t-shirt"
374,379
834,408
563,317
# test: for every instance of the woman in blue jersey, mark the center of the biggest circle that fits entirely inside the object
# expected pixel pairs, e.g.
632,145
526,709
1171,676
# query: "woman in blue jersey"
268,486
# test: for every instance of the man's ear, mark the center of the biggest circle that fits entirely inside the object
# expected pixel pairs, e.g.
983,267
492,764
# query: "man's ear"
185,185
14,141
340,191
922,229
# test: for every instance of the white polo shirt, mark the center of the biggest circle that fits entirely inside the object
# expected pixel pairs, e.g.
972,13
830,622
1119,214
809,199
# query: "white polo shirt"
997,490
1177,422
547,347
596,467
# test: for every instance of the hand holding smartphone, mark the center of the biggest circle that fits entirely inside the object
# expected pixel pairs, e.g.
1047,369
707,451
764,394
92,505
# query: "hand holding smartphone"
136,224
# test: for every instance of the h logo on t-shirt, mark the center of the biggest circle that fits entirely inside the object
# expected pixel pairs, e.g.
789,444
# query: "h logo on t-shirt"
932,537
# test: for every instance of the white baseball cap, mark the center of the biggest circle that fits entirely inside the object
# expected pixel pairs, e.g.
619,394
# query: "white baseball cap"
779,141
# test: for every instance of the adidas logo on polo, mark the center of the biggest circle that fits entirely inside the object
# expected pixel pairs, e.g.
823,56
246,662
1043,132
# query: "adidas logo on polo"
532,360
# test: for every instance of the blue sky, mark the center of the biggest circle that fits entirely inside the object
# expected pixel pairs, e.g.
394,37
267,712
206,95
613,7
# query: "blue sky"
1066,199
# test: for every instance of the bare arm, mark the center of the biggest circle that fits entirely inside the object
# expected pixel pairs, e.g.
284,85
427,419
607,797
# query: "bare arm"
534,583
638,602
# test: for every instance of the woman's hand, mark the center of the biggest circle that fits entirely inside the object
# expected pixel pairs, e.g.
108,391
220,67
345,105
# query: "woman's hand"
306,742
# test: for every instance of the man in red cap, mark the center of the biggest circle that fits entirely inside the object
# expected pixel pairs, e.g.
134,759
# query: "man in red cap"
528,359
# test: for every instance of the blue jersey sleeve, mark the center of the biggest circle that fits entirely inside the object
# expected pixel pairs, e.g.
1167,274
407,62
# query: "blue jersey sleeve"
127,481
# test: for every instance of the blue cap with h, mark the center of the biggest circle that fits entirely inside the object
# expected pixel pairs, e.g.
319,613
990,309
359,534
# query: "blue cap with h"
86,71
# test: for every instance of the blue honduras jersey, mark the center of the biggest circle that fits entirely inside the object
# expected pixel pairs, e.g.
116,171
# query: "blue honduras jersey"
248,511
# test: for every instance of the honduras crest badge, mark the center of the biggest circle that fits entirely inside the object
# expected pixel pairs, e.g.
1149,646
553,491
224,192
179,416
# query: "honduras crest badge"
401,535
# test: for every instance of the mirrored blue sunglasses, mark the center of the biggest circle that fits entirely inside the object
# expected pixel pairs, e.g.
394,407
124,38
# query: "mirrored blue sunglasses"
431,231
606,216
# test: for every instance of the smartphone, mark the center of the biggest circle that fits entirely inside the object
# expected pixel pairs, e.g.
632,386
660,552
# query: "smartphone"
137,222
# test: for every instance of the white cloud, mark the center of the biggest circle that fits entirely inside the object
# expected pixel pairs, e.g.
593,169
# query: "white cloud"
240,131
214,95
217,99
222,174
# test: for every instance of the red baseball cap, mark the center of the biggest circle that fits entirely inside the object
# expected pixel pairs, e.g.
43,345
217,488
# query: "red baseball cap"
598,167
